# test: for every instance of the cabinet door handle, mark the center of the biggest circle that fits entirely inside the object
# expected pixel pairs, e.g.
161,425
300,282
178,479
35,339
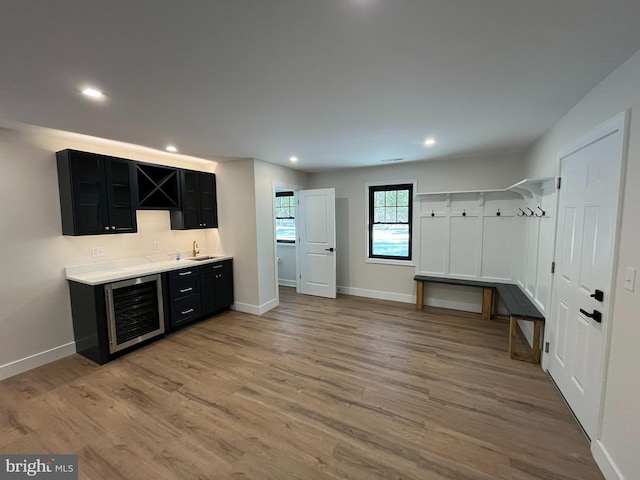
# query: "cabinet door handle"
187,311
185,273
113,227
217,266
106,228
182,290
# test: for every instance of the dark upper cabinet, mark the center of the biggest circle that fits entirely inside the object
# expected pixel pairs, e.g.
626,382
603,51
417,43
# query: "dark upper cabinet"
199,206
96,193
158,187
216,286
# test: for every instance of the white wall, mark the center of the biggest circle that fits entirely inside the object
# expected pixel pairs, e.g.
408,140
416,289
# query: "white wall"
618,441
237,226
267,177
354,274
35,317
286,264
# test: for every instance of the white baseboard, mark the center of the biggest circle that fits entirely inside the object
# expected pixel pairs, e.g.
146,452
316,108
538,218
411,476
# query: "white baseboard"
283,282
394,297
270,305
20,366
404,298
454,305
255,309
607,466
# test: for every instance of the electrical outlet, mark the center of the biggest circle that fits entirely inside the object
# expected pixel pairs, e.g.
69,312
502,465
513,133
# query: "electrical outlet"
156,245
97,252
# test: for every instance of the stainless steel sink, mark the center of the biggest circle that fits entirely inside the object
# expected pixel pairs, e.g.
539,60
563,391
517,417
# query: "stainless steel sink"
199,259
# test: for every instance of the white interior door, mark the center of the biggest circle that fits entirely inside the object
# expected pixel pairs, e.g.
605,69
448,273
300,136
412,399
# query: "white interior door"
585,248
317,241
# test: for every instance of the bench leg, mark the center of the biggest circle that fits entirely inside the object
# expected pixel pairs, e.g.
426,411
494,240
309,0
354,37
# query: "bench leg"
513,326
536,341
496,303
419,295
537,334
487,301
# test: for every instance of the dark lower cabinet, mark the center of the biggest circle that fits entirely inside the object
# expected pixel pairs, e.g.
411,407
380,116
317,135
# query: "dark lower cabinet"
216,282
188,294
89,314
112,319
184,296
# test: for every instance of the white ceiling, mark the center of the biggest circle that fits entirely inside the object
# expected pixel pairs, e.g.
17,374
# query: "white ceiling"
335,82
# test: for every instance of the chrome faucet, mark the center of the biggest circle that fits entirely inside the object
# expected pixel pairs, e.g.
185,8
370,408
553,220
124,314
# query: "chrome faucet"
196,249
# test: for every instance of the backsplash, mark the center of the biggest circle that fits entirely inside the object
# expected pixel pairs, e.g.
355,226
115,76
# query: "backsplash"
154,240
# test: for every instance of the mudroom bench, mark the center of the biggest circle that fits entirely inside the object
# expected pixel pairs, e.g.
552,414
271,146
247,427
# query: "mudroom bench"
517,304
488,289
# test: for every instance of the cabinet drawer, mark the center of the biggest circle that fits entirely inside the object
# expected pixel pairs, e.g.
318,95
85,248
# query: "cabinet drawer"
184,287
185,309
183,273
216,267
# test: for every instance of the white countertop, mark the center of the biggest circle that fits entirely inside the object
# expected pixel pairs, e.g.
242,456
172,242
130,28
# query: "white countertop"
107,272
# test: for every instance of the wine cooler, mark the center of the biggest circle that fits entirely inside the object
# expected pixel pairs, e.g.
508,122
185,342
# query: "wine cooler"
134,311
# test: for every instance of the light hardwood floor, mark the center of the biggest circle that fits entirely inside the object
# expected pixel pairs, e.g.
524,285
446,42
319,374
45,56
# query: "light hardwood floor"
315,389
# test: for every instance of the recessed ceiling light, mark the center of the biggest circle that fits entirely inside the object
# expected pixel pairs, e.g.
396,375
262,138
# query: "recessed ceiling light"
293,159
429,142
171,148
92,93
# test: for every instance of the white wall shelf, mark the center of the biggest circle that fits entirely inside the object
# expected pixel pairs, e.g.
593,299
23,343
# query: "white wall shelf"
527,188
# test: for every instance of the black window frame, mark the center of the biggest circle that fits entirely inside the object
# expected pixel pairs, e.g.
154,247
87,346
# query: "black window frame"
387,188
286,194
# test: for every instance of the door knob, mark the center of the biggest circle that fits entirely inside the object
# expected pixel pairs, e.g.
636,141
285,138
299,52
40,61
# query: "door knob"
598,295
328,249
596,315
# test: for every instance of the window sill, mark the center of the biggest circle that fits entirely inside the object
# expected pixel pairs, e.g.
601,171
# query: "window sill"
389,261
286,244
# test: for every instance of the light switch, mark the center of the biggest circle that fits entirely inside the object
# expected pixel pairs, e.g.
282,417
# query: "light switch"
630,279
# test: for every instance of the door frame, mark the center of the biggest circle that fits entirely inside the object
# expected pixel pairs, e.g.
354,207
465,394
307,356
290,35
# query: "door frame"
620,122
275,186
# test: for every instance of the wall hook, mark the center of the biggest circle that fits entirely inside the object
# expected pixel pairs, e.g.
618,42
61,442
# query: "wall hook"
531,212
523,213
498,213
464,213
543,212
433,214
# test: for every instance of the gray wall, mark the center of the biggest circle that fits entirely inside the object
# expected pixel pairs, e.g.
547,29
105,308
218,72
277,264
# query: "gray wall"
616,445
357,276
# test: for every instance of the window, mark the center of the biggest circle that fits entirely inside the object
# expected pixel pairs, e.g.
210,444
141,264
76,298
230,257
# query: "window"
390,213
285,217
